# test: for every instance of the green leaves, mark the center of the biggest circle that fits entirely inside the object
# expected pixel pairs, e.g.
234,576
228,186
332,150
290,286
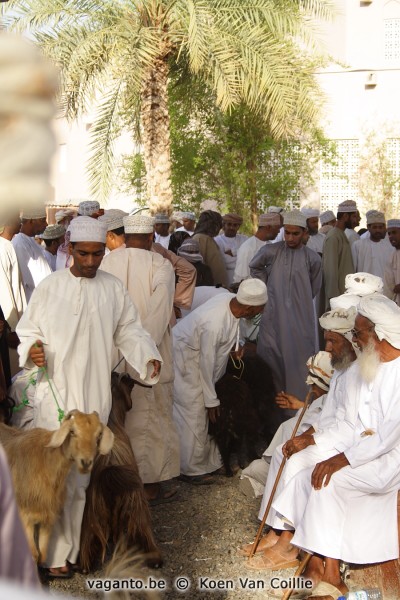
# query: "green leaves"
254,52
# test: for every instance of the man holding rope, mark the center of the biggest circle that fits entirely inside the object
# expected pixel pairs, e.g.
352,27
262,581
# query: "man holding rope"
73,320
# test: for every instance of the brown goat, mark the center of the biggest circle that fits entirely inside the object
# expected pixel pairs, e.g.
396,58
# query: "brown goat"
40,461
116,508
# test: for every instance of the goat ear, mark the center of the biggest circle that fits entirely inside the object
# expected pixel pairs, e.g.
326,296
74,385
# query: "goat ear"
59,436
107,440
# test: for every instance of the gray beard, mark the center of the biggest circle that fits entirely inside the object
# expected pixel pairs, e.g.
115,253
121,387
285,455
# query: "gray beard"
343,362
369,362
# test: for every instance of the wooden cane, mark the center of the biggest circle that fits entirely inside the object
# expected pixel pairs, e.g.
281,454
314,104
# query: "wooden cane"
307,401
299,571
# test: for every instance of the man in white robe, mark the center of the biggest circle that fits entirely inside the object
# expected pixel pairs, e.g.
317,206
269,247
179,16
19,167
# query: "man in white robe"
150,281
12,295
277,551
32,264
202,343
72,321
161,229
188,222
316,240
373,254
268,228
336,502
391,276
292,273
53,236
230,241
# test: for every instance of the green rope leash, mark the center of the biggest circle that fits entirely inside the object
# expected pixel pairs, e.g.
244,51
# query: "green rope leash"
33,381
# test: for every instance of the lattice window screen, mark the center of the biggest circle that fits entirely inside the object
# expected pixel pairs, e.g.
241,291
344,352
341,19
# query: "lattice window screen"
391,37
393,154
339,182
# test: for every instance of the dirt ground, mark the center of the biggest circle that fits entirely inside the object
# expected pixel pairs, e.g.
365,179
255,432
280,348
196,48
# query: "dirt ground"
199,535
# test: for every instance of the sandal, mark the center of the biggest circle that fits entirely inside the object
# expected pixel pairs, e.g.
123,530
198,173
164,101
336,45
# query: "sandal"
273,561
246,549
163,497
205,479
326,589
56,573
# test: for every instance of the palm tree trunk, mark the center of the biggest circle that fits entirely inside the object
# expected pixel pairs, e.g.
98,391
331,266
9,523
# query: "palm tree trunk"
156,137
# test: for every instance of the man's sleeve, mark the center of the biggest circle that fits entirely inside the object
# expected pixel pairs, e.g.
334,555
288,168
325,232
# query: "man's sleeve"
208,356
30,328
258,265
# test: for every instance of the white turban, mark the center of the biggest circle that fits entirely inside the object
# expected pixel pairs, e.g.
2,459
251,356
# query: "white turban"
86,229
190,216
53,232
327,216
269,219
393,223
34,212
295,218
61,214
363,284
113,218
138,224
252,292
320,370
348,206
345,301
309,213
375,216
385,314
88,207
339,321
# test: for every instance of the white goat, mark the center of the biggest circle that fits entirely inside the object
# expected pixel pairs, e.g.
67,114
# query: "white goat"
40,461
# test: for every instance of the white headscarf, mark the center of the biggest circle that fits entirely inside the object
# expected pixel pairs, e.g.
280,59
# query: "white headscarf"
340,321
320,370
385,314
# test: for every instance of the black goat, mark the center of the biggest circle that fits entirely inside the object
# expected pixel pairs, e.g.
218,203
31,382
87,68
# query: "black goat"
248,414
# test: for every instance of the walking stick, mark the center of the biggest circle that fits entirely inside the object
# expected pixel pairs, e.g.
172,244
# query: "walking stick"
299,571
307,402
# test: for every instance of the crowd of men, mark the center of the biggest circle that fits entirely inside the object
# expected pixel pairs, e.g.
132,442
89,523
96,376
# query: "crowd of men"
168,300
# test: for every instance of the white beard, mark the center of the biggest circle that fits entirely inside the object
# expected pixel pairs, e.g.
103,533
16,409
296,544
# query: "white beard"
369,362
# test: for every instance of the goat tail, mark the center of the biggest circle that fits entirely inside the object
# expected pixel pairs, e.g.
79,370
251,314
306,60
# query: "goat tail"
127,564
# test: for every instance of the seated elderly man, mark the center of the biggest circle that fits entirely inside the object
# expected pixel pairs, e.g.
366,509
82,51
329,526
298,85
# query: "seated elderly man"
360,480
202,343
275,548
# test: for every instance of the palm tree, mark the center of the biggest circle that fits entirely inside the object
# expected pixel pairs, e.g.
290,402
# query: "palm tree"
122,51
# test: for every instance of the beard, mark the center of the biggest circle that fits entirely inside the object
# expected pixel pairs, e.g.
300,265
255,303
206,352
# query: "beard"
369,361
342,362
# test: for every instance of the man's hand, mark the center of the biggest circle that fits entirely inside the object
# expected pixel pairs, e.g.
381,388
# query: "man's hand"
238,354
37,355
229,252
296,444
213,413
397,289
288,401
325,470
157,368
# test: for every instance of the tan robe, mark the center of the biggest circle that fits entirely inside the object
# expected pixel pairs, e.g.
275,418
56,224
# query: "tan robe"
150,282
337,262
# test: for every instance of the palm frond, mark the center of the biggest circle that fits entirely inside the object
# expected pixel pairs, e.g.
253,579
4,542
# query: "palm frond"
103,134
